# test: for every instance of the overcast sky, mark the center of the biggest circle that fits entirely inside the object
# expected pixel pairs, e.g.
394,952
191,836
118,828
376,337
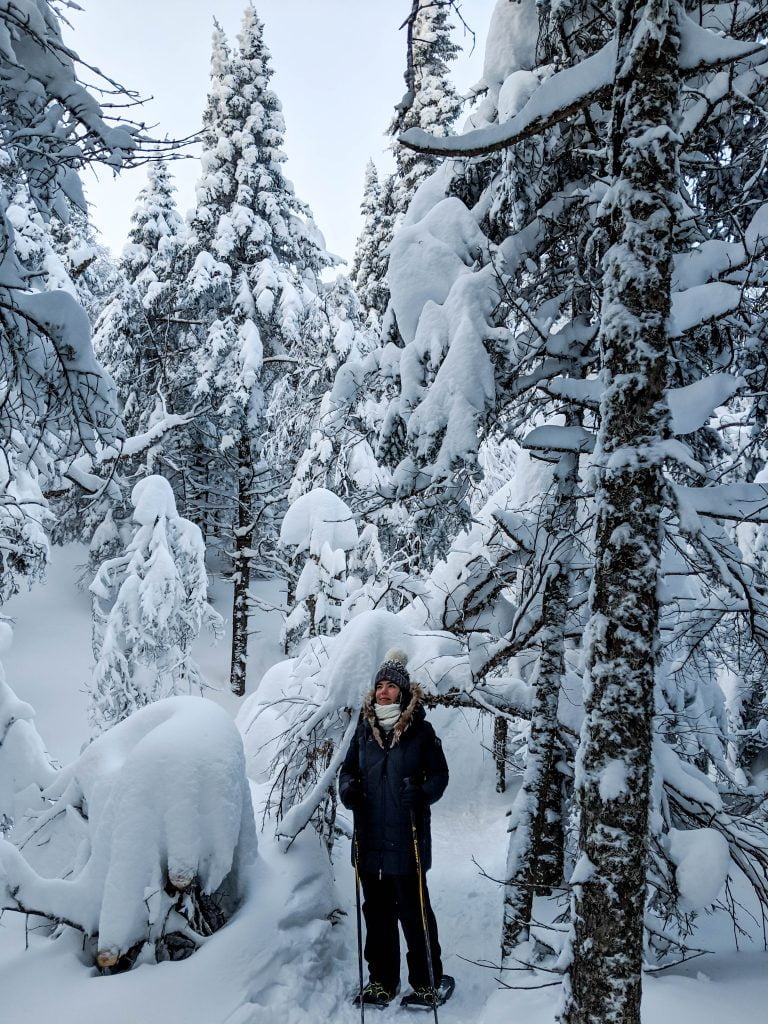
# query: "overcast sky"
338,72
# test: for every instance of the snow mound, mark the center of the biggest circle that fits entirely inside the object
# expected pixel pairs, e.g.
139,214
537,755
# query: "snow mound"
172,776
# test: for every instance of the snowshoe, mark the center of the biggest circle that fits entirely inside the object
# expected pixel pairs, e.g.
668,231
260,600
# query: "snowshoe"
376,995
421,998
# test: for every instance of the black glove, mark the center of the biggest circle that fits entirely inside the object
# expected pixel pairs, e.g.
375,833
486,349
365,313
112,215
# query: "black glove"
412,796
352,797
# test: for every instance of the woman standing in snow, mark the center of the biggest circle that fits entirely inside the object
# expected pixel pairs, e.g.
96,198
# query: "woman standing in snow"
394,769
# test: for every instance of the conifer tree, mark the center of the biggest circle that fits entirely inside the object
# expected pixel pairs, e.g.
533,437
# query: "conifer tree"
539,318
89,264
255,256
369,265
149,605
139,338
431,101
142,343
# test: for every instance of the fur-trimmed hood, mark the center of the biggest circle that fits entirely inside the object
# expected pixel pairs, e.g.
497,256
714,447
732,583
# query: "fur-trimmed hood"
412,712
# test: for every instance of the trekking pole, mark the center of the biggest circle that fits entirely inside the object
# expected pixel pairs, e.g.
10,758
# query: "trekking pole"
359,925
422,904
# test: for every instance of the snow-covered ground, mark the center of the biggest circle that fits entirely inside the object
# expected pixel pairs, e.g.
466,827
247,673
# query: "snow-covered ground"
279,960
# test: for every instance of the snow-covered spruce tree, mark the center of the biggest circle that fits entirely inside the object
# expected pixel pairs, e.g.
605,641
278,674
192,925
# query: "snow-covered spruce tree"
256,255
369,271
430,101
734,166
308,433
149,606
338,428
369,265
531,306
45,269
139,338
321,529
530,218
140,341
89,264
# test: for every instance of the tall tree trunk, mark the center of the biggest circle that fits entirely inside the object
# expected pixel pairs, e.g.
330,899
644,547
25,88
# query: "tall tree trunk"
534,858
500,734
614,763
241,570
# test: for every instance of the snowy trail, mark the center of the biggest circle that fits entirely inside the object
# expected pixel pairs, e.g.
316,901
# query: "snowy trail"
279,961
469,822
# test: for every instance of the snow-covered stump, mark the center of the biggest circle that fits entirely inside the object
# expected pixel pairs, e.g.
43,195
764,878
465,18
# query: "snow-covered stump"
168,837
613,776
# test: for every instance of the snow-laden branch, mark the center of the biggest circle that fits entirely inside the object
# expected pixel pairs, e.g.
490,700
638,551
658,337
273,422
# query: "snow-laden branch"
299,816
573,89
738,502
556,99
81,471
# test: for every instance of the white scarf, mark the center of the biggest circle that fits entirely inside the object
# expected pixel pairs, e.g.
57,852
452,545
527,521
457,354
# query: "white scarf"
387,715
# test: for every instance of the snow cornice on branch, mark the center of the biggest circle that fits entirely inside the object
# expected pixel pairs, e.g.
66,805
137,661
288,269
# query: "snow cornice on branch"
556,99
571,90
737,502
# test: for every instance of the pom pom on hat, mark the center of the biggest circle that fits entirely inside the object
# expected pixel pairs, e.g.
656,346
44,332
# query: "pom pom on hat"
398,655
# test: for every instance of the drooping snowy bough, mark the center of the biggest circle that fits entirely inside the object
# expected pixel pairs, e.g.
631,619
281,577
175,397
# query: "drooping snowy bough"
147,840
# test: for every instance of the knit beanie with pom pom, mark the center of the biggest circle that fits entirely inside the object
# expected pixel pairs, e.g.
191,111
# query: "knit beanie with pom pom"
393,669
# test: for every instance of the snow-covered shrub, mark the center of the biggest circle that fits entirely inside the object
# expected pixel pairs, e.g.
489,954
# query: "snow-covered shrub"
321,527
162,809
143,641
25,768
23,514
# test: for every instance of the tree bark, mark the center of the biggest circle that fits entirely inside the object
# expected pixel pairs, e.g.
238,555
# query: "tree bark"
500,732
241,569
613,773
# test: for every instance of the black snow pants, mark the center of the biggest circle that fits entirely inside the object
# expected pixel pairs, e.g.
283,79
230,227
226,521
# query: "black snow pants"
387,900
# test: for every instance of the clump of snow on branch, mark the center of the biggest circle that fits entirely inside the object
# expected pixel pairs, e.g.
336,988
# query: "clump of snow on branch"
320,526
702,862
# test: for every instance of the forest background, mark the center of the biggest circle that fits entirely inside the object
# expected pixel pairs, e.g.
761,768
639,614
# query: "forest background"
523,436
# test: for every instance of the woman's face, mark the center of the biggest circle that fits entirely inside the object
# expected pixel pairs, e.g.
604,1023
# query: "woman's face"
387,693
